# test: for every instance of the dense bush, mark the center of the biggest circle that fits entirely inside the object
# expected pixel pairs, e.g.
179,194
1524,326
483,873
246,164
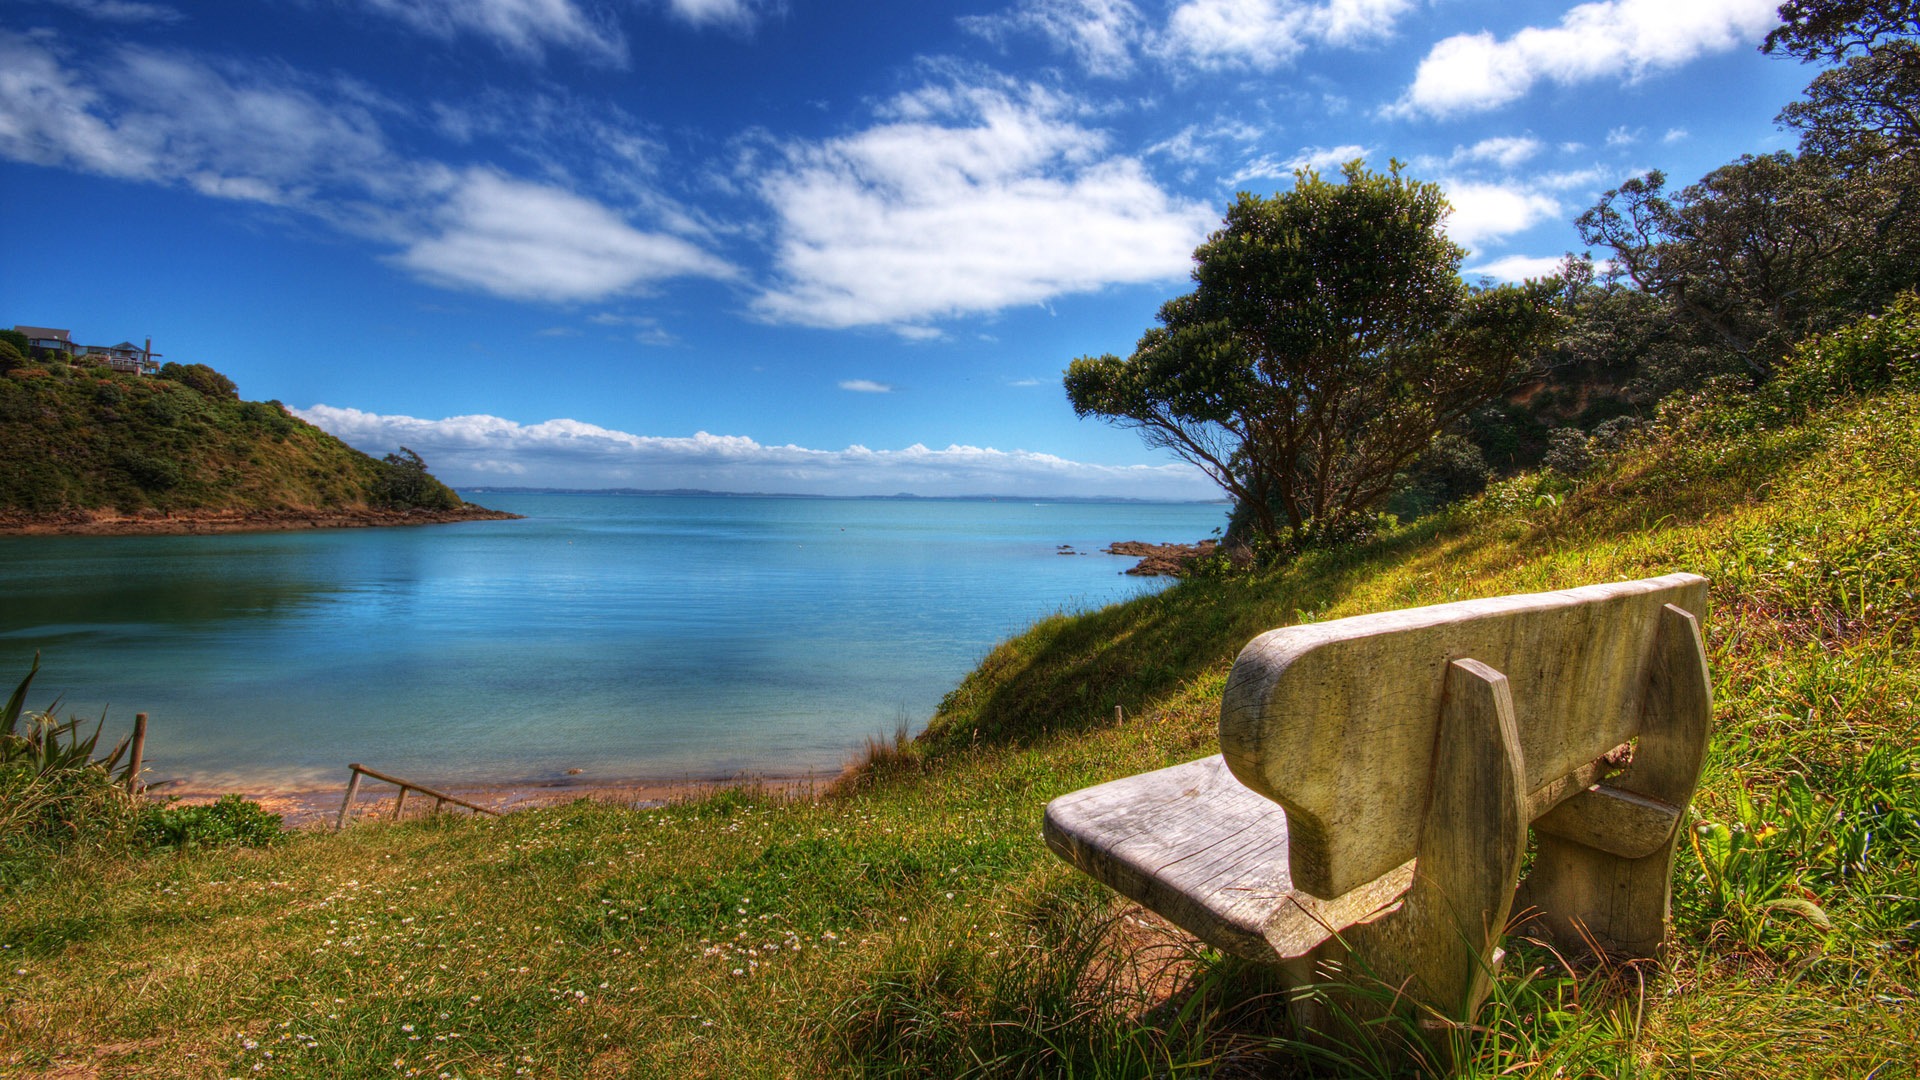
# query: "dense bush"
231,820
202,380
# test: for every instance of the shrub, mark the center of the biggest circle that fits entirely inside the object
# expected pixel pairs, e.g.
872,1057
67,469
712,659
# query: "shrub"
231,820
202,379
1567,451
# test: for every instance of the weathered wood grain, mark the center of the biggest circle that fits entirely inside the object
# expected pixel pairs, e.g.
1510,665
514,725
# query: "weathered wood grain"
1336,721
1590,895
1443,938
1189,842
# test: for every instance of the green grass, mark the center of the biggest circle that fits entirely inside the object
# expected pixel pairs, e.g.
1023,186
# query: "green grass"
912,923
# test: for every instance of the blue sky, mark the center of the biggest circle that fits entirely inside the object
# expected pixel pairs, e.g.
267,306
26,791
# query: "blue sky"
778,245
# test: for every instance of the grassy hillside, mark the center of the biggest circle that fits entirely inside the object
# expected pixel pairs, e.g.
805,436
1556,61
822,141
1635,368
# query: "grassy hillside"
913,924
81,437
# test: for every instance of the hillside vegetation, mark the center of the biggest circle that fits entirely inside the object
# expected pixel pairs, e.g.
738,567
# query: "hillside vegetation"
911,923
82,438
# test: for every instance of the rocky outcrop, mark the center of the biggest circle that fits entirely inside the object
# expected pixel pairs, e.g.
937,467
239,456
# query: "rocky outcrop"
1161,560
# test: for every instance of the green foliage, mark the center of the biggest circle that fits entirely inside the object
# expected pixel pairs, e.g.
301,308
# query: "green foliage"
1830,29
11,357
202,380
1328,342
404,484
231,820
1453,468
17,340
94,439
56,796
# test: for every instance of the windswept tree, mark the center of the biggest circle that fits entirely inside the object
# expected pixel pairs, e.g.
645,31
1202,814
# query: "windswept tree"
1328,341
403,483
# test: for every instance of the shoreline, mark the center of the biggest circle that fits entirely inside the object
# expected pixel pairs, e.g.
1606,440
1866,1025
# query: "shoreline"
195,522
319,807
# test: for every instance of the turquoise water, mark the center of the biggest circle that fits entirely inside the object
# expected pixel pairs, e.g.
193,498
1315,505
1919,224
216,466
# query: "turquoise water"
625,636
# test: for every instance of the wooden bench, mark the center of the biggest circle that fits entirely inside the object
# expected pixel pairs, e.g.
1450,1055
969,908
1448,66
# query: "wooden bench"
1371,806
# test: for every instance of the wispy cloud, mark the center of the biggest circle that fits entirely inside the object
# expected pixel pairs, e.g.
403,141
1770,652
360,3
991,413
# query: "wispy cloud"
1613,39
964,199
740,15
1517,267
1504,151
474,450
120,11
525,28
865,386
257,132
1318,158
1099,34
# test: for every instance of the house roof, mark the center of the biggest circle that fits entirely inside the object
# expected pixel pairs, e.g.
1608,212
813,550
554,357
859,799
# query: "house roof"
42,332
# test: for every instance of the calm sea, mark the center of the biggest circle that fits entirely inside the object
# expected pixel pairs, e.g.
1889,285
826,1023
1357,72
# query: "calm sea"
625,636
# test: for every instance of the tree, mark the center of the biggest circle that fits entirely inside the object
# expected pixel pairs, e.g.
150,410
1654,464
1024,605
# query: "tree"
1830,29
403,483
1749,253
1328,342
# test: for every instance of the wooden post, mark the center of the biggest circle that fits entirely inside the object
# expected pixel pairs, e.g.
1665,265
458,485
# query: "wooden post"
139,750
1445,937
346,805
399,802
1119,715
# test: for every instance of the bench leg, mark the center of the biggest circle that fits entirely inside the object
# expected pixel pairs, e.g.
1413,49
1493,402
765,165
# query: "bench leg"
1587,900
1441,946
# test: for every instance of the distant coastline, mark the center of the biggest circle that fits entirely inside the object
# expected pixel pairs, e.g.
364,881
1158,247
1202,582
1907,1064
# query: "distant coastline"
189,522
904,496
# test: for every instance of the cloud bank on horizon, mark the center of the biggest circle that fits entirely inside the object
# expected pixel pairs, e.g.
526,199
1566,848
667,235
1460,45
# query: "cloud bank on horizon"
481,451
702,198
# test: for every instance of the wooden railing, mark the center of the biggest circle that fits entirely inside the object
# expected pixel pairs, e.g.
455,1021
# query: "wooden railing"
440,798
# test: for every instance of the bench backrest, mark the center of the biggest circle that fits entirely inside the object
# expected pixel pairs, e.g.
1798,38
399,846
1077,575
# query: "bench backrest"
1336,721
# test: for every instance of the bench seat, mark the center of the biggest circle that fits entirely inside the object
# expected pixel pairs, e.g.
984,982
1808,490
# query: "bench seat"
1210,855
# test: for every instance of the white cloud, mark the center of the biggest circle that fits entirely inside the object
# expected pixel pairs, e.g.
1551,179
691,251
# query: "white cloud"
1318,158
1099,34
259,133
1265,34
865,386
246,132
531,241
526,28
731,14
965,200
1674,135
479,450
1517,267
1505,151
1484,212
1610,39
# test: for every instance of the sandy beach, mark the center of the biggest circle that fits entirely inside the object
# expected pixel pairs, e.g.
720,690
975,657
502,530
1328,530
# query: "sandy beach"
319,808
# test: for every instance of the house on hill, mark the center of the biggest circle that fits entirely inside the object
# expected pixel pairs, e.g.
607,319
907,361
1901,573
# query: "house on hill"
126,356
44,337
